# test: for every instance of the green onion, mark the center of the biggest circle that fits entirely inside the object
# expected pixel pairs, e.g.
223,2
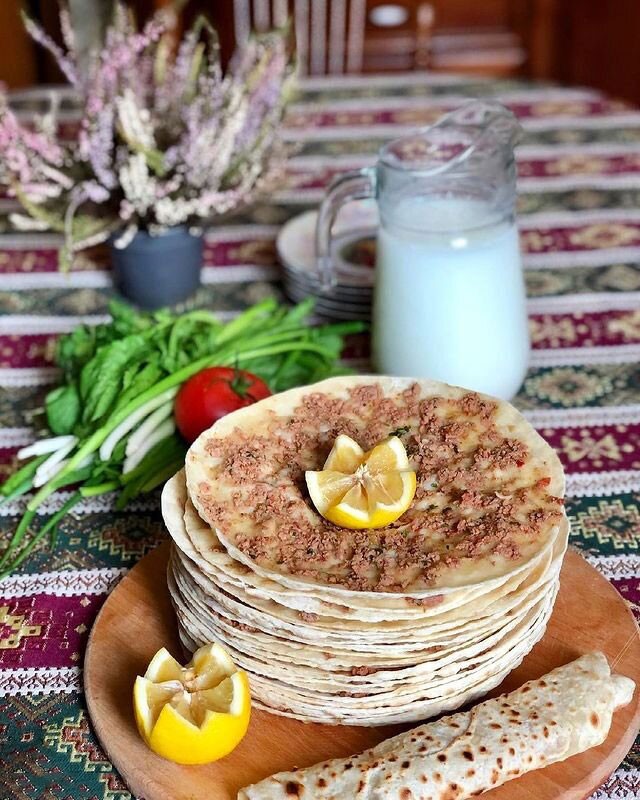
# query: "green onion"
120,381
50,525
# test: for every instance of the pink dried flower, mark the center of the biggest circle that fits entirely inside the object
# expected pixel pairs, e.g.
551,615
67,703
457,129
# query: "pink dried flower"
163,140
65,63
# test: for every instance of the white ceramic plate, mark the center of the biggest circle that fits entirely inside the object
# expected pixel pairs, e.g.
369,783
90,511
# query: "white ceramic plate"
354,245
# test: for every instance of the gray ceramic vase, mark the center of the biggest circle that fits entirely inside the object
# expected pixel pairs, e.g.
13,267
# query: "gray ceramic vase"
156,271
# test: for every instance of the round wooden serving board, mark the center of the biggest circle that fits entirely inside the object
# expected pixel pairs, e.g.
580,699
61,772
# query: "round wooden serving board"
137,619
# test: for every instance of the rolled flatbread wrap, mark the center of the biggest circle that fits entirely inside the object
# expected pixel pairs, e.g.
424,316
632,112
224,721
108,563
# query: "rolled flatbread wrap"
564,713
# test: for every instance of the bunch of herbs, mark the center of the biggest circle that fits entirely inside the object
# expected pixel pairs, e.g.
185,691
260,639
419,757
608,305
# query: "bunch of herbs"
117,374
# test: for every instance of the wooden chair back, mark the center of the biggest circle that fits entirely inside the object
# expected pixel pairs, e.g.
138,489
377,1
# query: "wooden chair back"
354,36
338,36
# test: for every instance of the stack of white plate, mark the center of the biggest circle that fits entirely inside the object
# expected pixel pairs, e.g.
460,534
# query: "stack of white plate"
353,255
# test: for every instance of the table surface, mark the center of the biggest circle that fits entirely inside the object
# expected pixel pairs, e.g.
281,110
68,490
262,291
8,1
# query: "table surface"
579,167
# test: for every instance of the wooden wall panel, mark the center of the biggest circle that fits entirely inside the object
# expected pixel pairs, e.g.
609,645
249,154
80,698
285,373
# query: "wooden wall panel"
17,55
598,43
589,42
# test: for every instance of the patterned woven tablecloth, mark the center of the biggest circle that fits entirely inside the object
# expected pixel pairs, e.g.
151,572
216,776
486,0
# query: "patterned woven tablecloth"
579,166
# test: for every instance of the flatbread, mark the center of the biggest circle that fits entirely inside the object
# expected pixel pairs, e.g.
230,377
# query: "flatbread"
448,662
200,543
488,499
388,683
368,627
545,721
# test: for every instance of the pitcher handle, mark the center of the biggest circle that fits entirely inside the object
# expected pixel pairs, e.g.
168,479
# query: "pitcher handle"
357,185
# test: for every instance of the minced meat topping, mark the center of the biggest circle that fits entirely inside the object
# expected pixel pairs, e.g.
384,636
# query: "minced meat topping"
481,501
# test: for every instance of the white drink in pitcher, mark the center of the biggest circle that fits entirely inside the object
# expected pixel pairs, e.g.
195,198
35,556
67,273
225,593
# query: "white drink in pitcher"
449,299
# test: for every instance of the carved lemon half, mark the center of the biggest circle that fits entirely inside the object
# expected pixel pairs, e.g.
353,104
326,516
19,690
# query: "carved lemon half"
193,714
358,489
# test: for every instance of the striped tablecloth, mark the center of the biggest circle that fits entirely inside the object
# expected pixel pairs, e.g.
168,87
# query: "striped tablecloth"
579,167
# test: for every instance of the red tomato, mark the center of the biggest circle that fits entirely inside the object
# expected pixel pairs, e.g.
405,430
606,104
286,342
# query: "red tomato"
210,394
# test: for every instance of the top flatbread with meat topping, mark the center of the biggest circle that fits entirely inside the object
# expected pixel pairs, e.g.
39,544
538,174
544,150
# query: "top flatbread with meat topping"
488,500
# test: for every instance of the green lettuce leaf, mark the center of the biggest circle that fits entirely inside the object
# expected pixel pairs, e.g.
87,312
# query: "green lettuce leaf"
63,409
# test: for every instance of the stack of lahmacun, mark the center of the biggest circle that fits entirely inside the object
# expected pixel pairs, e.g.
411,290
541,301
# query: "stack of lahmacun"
368,627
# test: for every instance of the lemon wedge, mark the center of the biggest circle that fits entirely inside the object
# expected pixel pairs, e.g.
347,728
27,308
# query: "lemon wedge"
193,714
358,489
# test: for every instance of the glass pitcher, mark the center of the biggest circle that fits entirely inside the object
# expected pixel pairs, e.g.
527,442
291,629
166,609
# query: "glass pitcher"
449,298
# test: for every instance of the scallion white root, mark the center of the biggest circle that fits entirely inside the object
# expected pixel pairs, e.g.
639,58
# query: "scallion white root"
51,466
109,444
161,432
139,436
44,446
58,469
